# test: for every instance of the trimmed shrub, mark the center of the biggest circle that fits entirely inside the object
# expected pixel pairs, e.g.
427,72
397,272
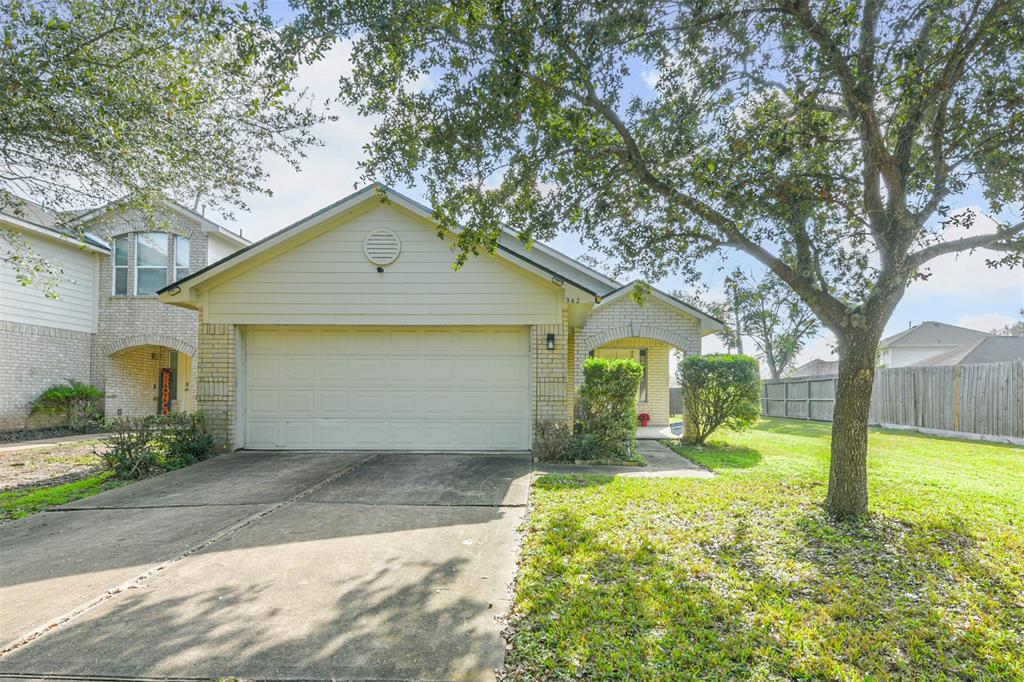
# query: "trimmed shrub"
132,451
719,390
138,447
551,441
184,439
78,402
608,408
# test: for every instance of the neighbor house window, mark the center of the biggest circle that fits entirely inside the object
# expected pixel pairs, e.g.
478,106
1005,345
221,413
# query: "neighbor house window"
121,266
150,263
643,380
180,257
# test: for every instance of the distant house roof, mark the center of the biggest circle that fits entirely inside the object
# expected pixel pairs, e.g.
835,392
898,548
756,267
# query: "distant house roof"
816,367
931,334
988,349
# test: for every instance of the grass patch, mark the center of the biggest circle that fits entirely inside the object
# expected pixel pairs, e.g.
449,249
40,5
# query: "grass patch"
743,577
20,503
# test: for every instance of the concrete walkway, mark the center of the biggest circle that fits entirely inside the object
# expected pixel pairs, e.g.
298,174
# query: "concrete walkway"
48,442
271,565
662,462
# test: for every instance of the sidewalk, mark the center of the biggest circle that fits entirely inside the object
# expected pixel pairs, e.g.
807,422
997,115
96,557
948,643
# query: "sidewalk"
44,442
662,462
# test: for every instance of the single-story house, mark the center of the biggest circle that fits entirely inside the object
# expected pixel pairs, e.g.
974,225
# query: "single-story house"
924,341
350,329
983,351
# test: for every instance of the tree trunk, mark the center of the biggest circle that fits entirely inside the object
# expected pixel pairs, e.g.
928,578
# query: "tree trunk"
848,472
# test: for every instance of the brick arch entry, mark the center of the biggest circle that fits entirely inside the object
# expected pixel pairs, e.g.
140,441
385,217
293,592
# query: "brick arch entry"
635,330
150,340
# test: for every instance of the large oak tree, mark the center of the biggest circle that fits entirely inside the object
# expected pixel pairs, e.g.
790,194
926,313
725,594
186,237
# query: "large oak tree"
827,139
106,99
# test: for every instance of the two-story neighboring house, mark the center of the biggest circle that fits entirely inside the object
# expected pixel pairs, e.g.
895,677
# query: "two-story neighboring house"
105,326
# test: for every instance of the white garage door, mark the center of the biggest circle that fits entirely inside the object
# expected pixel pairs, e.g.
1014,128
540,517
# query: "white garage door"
439,388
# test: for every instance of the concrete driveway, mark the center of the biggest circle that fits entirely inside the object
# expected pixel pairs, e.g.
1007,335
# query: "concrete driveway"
271,565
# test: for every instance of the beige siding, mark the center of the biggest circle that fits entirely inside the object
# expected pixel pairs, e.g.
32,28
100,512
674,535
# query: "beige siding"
328,280
75,306
220,248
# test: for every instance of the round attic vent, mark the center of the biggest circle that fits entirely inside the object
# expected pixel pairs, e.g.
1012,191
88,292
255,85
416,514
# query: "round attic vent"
382,247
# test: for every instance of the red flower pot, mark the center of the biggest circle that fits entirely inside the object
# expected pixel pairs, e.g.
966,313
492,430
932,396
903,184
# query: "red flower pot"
643,418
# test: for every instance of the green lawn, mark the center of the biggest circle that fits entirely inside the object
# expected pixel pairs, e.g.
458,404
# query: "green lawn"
742,576
20,503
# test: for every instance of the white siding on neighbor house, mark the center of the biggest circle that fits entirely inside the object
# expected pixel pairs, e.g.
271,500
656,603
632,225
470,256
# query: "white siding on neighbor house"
328,280
907,355
75,305
219,247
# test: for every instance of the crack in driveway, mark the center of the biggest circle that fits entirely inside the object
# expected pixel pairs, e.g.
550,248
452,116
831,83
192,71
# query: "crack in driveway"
137,581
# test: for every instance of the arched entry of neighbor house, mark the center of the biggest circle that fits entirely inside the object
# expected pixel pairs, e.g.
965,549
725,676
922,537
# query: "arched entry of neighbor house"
148,374
650,345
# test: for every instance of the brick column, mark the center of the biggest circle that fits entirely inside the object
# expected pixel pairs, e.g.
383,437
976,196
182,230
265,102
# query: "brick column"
217,381
550,368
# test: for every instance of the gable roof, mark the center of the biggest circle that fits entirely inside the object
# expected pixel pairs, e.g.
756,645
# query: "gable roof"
29,216
932,334
816,367
988,349
207,225
707,322
543,258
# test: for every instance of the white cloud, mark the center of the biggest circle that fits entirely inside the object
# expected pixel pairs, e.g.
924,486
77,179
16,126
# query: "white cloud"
327,173
985,322
651,78
966,274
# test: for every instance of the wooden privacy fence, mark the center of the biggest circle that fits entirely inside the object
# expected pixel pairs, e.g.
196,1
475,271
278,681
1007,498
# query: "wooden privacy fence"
800,397
984,399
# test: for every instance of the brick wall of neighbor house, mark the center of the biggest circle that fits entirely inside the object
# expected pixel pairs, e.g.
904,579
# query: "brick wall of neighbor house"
122,317
624,321
217,385
133,381
34,358
550,372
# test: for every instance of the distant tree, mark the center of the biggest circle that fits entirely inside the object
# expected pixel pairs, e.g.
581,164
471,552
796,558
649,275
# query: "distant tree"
1012,329
830,140
104,99
765,309
779,322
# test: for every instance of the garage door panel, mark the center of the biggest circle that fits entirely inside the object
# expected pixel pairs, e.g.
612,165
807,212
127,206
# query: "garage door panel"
509,402
263,341
333,369
474,403
266,371
437,370
387,388
299,433
332,403
298,403
261,434
367,403
263,402
366,370
403,371
297,370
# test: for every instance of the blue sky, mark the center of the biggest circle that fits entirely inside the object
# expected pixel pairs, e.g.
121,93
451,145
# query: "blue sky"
961,290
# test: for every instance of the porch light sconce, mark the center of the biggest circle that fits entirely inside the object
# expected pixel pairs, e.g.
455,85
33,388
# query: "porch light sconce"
551,341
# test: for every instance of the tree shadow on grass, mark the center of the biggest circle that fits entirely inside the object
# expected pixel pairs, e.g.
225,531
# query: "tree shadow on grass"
795,427
722,456
762,595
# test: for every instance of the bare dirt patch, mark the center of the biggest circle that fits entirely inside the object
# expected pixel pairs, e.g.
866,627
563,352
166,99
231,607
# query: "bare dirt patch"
48,465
